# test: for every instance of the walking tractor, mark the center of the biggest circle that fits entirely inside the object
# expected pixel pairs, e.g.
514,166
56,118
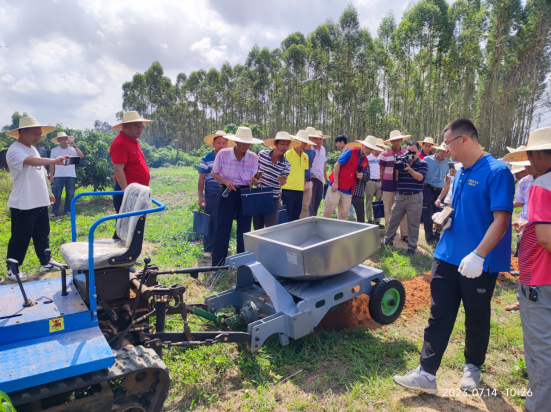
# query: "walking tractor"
93,341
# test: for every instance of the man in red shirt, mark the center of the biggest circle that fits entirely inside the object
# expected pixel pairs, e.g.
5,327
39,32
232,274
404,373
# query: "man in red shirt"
534,289
127,156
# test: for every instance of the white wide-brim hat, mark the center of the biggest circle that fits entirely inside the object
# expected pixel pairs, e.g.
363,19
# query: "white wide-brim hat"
539,139
429,140
382,144
282,136
61,134
304,137
370,142
131,117
512,150
27,123
443,146
209,140
312,132
324,136
397,135
517,168
243,135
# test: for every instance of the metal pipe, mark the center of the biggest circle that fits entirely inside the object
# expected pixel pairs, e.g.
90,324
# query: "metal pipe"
161,314
193,270
63,283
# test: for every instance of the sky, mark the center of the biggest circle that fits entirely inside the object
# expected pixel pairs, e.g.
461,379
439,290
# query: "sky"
64,61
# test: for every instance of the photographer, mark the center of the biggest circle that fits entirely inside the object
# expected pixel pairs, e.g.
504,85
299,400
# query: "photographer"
409,200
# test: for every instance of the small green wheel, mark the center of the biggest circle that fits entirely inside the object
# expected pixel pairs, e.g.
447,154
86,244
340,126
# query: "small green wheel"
387,300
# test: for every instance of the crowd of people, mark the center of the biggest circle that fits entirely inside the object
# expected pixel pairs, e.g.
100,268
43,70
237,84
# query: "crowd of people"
462,195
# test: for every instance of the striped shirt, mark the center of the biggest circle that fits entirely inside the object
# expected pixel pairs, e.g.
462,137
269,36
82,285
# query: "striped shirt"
205,167
239,172
272,170
407,183
534,260
387,161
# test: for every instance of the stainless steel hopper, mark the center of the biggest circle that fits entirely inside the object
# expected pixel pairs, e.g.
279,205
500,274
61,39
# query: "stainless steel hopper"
313,248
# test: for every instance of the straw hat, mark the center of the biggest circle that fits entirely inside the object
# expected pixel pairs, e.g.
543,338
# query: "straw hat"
353,145
427,140
209,140
28,122
131,117
397,135
517,168
511,150
312,132
370,142
382,144
282,136
304,137
243,135
443,146
320,133
539,139
60,134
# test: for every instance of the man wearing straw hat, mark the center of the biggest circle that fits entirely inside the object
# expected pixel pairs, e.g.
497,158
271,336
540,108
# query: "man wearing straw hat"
349,168
534,289
293,191
426,147
127,156
63,176
308,178
373,186
276,168
319,172
30,198
209,187
438,169
234,168
389,183
474,247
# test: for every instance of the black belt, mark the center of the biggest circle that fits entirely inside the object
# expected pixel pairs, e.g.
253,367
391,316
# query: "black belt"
408,193
374,180
433,187
222,187
308,180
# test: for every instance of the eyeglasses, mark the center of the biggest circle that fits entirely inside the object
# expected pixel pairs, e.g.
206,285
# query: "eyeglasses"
414,153
139,126
448,142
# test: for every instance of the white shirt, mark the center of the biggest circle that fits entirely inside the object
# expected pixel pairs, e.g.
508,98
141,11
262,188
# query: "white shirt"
319,164
62,170
448,198
29,182
374,168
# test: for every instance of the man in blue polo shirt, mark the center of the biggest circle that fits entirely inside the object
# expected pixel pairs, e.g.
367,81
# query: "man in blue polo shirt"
409,199
475,246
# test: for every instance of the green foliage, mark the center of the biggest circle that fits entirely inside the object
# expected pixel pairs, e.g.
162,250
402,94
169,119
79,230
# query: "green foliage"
332,158
5,403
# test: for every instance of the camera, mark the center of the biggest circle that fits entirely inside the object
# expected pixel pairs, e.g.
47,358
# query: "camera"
401,161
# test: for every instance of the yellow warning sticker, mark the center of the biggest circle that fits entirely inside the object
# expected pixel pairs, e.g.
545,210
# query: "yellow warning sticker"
56,325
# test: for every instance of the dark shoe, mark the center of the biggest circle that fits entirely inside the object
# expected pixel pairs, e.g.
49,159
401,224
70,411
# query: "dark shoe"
410,252
404,239
384,244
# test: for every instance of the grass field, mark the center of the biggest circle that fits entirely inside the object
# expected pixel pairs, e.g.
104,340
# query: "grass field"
347,370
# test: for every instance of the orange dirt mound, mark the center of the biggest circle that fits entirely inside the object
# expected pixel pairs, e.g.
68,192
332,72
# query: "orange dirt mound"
355,312
514,264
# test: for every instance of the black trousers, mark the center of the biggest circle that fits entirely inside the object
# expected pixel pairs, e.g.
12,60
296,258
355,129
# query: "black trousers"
359,207
317,194
26,225
292,199
447,289
117,199
269,220
227,209
430,194
212,201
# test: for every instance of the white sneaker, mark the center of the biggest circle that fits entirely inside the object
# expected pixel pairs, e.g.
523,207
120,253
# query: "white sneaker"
471,377
415,380
49,266
11,276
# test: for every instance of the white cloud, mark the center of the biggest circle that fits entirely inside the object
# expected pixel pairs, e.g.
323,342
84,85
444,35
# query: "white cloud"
214,55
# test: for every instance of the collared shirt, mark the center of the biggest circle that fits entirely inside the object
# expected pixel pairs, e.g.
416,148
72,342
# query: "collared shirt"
205,167
437,171
126,150
422,154
311,156
359,189
521,196
374,167
318,165
534,260
344,158
407,183
478,191
239,172
299,163
272,171
388,183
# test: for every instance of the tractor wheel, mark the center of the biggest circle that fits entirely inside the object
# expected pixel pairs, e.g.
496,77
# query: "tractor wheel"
387,300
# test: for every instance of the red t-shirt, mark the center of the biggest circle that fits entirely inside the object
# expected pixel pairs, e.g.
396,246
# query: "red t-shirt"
127,151
535,261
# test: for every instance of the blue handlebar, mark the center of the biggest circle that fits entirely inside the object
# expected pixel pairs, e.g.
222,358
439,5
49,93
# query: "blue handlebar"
91,276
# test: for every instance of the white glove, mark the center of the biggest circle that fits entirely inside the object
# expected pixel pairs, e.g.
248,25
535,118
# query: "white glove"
471,266
446,225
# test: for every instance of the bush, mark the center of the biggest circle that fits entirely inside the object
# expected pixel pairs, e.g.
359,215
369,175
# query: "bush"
332,158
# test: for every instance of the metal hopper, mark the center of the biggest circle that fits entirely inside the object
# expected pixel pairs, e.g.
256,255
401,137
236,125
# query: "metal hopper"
313,248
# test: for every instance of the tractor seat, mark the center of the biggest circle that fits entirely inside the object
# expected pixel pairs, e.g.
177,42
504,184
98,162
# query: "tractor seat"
130,230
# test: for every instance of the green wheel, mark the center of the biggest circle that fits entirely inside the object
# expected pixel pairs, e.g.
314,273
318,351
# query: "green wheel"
387,300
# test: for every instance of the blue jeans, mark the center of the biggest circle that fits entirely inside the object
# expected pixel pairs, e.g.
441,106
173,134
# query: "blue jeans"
59,184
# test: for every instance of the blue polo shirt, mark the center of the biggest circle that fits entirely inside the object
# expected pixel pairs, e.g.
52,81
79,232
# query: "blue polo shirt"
479,190
437,171
311,154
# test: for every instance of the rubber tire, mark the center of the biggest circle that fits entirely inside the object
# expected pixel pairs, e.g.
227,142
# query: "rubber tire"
376,296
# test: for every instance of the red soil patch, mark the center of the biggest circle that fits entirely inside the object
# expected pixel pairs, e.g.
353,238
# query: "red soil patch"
355,312
514,264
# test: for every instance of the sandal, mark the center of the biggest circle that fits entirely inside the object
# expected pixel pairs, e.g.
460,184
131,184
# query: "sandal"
514,306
